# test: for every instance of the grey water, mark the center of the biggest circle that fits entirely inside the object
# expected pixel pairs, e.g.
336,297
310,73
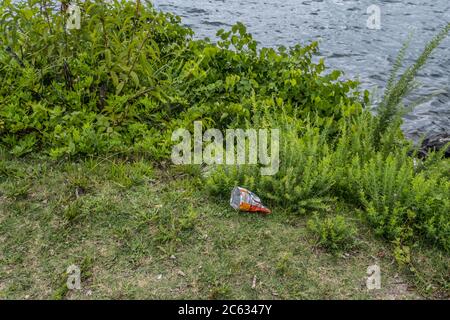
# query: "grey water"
345,41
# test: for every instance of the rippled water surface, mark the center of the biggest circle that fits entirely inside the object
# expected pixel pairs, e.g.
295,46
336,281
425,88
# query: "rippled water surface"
345,41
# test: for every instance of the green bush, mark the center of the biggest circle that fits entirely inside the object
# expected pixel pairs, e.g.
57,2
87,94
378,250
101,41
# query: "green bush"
131,75
405,199
357,157
305,176
401,203
333,233
84,91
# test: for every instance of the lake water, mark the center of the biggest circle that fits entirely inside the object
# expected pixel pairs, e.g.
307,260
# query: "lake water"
345,40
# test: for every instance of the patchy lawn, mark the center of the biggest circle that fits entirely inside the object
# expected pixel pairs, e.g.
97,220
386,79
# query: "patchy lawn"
140,232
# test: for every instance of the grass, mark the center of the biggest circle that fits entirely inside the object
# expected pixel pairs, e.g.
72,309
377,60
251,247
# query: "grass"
140,231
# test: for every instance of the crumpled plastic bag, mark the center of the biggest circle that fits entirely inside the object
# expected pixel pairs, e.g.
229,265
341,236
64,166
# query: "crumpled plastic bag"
245,200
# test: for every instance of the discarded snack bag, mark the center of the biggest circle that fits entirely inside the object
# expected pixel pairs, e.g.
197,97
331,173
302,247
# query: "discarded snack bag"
244,200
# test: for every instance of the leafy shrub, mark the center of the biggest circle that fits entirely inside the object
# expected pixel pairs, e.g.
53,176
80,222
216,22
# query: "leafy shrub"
404,198
132,75
333,233
84,91
305,176
401,205
391,107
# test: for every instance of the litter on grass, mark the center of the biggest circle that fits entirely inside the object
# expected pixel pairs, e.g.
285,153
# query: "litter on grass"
245,200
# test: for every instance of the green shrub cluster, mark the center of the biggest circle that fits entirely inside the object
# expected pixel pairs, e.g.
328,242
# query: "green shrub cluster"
404,198
305,176
333,233
401,203
131,75
360,158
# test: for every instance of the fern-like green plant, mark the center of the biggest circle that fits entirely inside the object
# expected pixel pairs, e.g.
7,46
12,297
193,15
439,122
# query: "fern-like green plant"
391,109
305,176
333,233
